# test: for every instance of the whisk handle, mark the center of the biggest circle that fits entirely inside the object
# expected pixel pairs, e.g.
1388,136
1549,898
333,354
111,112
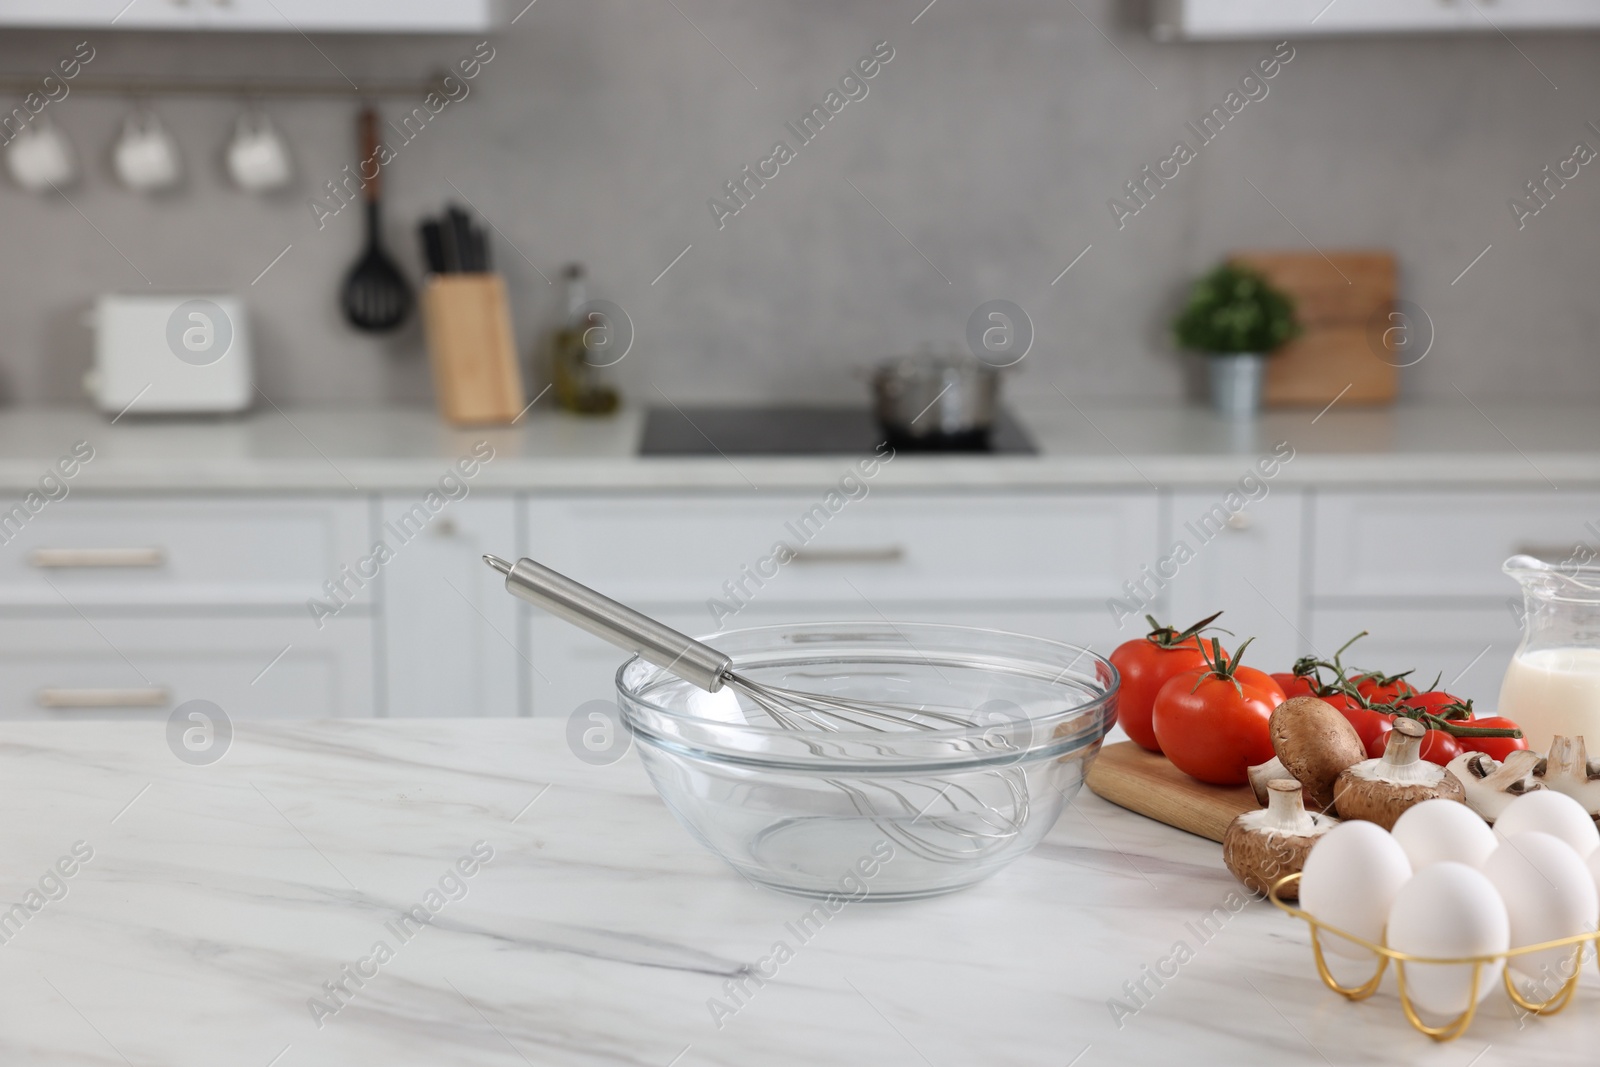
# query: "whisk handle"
696,663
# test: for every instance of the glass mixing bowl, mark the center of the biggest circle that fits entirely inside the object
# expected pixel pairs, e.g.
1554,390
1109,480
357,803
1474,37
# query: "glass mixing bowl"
873,809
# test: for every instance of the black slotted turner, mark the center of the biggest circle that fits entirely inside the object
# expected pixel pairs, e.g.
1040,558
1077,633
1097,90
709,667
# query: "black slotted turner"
376,295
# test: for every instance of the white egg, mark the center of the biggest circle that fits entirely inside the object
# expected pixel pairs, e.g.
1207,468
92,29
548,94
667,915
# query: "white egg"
1349,882
1449,910
1438,830
1549,894
1550,812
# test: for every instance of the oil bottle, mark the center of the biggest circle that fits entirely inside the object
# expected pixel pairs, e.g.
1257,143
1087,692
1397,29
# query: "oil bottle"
579,381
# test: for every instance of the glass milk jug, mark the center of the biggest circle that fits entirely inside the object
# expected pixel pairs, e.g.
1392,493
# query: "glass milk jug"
1553,684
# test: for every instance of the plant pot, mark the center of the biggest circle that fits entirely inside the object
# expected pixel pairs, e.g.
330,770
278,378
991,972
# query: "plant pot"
1236,380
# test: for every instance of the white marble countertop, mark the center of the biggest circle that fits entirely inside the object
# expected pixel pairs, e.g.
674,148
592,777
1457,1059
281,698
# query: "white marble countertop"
1082,443
218,899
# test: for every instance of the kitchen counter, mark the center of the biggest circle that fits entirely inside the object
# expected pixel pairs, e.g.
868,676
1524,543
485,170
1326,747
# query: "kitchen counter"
218,900
1081,444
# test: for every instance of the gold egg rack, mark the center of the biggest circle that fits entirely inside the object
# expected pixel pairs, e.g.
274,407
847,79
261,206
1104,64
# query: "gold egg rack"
1456,1027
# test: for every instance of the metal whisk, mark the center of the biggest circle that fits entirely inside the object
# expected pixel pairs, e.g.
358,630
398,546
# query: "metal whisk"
966,818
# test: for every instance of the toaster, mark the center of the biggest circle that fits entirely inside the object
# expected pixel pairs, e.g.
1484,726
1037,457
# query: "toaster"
172,354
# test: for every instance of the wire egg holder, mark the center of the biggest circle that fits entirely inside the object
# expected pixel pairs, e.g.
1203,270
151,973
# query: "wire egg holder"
1457,1026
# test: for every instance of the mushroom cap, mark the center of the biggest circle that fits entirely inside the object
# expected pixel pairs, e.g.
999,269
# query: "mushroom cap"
1360,794
1258,858
1316,743
1261,847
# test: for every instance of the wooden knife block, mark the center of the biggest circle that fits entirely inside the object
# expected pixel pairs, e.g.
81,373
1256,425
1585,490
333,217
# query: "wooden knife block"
472,349
1336,298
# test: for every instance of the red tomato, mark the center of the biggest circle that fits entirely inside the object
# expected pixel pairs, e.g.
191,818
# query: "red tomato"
1435,701
1295,685
1497,748
1440,747
1215,728
1146,663
1345,702
1380,689
1372,727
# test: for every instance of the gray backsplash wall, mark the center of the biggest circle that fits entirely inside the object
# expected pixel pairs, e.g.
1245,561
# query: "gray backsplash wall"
992,142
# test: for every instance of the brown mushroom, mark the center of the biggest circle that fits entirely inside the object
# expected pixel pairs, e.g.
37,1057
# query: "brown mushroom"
1261,847
1378,790
1315,743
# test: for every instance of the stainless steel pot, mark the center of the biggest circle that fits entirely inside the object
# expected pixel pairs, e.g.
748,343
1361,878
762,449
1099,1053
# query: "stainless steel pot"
936,400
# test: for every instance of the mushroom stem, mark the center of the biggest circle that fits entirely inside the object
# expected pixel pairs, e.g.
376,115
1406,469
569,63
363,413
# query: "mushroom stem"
1402,754
1263,774
1569,770
1380,789
1286,809
1569,756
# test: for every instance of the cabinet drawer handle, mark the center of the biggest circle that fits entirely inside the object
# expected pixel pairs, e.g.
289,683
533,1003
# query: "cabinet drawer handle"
50,558
887,554
152,697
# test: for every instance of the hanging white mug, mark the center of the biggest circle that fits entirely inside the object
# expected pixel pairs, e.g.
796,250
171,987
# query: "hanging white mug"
40,157
257,157
146,157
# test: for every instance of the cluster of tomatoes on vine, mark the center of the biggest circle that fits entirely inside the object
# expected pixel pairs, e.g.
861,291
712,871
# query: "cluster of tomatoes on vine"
1372,700
1183,695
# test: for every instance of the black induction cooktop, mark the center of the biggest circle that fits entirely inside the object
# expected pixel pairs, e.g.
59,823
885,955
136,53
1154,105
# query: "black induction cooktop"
799,431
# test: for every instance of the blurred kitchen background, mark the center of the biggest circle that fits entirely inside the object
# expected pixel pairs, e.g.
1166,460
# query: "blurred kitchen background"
219,542
992,141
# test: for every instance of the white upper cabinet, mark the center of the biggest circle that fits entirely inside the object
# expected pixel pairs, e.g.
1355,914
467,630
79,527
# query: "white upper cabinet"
284,16
1233,19
1535,14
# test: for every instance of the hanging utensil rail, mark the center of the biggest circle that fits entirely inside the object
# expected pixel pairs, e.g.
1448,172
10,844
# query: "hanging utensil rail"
22,84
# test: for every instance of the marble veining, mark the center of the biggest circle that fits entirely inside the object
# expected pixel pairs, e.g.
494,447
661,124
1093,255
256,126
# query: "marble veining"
218,901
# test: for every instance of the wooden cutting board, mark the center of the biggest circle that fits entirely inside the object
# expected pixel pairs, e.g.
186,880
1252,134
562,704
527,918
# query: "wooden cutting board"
1341,300
1141,781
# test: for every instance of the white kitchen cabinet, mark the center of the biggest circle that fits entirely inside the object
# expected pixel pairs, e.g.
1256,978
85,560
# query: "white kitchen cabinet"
1468,647
1400,544
283,16
451,640
1533,14
1248,566
571,667
1203,19
1294,19
125,604
183,551
885,546
1037,563
67,667
1421,571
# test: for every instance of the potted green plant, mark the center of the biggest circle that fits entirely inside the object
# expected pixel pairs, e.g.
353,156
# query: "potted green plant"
1236,318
